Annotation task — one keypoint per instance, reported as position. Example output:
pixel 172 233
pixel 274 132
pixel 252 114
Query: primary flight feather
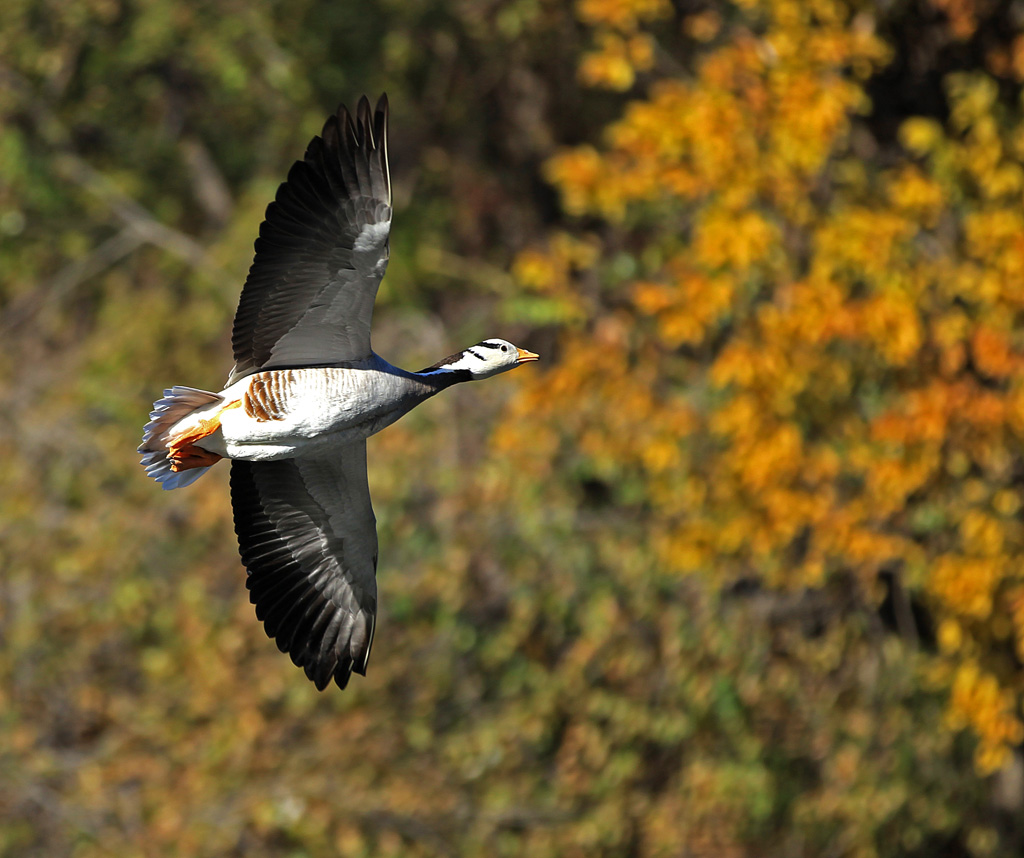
pixel 305 393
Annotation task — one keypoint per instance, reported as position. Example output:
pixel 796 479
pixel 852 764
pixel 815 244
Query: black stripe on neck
pixel 440 376
pixel 444 362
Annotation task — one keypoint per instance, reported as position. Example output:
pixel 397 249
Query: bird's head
pixel 487 358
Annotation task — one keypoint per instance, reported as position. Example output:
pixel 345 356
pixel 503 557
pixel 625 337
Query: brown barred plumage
pixel 265 398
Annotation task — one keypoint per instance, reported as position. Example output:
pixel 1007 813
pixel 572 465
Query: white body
pixel 305 411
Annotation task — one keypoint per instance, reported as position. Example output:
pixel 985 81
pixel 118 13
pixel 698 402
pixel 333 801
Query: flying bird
pixel 305 393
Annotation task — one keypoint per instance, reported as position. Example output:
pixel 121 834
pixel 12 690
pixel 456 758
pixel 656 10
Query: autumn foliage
pixel 735 572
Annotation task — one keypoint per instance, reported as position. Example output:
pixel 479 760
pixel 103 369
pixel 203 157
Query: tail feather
pixel 158 466
pixel 177 402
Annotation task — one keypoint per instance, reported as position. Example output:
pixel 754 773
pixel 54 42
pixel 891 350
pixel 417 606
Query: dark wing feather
pixel 322 251
pixel 308 538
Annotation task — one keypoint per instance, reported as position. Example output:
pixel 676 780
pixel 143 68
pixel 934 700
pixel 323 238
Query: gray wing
pixel 308 538
pixel 321 253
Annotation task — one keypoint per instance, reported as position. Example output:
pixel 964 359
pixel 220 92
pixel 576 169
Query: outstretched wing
pixel 321 253
pixel 308 538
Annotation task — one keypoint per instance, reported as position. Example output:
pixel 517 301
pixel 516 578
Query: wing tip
pixel 342 676
pixel 363 114
pixel 364 125
pixel 380 130
pixel 321 673
pixel 322 663
pixel 380 119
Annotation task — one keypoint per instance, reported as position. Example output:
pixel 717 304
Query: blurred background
pixel 735 571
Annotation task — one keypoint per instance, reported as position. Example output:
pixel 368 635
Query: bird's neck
pixel 448 371
pixel 438 377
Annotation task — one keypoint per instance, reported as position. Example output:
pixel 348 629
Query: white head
pixel 486 358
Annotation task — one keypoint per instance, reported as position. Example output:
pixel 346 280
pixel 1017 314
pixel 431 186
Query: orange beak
pixel 524 355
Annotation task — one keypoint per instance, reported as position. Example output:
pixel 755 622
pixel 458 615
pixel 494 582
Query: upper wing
pixel 322 251
pixel 308 538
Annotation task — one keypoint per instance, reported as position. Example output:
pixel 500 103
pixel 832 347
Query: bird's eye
pixel 504 348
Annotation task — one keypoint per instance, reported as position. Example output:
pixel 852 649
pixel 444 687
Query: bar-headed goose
pixel 305 393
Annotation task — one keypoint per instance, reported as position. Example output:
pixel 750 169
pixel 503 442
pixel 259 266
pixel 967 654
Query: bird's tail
pixel 156 448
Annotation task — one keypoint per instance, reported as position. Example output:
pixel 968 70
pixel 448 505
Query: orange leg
pixel 182 450
pixel 190 456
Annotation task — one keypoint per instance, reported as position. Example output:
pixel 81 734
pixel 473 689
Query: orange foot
pixel 190 456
